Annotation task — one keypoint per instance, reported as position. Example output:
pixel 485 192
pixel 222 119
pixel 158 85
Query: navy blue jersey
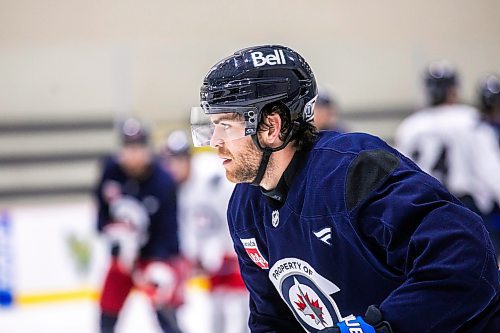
pixel 156 193
pixel 362 225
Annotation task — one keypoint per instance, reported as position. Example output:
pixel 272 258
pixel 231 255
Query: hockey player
pixel 437 137
pixel 489 96
pixel 326 114
pixel 203 195
pixel 489 129
pixel 328 226
pixel 137 214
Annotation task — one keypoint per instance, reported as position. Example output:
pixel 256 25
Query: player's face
pixel 241 158
pixel 179 167
pixel 135 159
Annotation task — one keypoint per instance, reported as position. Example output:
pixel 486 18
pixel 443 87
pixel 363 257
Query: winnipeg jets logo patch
pixel 275 218
pixel 250 245
pixel 309 306
pixel 324 235
pixel 307 293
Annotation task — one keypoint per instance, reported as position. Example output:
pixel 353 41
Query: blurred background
pixel 69 70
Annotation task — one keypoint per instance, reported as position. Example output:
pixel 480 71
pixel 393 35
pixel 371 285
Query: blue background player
pixel 329 226
pixel 137 212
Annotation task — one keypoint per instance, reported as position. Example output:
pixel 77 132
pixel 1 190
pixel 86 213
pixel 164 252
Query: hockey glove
pixel 372 322
pixel 158 280
pixel 124 242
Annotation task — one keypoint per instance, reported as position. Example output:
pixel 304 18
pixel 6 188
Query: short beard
pixel 246 164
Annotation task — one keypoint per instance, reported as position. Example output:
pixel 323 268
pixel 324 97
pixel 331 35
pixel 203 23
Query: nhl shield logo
pixel 275 218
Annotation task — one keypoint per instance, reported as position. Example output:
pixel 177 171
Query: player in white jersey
pixel 203 195
pixel 441 139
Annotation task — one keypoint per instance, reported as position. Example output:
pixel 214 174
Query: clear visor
pixel 209 125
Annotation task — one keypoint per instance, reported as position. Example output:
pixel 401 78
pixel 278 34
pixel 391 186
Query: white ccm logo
pixel 277 58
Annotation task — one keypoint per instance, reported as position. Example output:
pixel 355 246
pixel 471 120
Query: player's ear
pixel 270 136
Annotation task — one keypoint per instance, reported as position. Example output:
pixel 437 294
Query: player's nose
pixel 216 140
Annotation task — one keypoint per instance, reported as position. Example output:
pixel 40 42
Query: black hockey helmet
pixel 177 143
pixel 249 80
pixel 133 131
pixel 489 93
pixel 439 78
pixel 324 98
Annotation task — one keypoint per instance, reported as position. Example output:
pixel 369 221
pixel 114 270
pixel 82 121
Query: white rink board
pixel 43 265
pixel 42 259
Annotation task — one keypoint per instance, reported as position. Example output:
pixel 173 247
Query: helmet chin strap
pixel 267 151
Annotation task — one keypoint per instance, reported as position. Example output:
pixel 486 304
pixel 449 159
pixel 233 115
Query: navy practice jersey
pixel 156 193
pixel 362 225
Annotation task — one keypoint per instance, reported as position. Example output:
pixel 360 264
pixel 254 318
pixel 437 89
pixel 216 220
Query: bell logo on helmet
pixel 276 58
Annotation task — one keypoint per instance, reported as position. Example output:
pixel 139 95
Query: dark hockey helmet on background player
pixel 177 143
pixel 243 84
pixel 439 78
pixel 489 94
pixel 133 131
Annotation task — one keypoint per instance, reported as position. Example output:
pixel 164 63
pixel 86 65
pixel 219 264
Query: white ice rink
pixel 82 316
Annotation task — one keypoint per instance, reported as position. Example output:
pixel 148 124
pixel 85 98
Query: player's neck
pixel 278 163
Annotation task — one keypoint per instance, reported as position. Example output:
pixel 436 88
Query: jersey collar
pixel 277 196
